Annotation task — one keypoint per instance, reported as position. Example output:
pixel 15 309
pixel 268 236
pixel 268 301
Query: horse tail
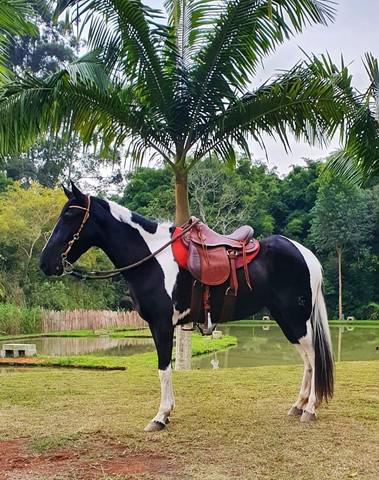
pixel 324 365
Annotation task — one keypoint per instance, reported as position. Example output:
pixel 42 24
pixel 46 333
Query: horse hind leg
pixel 298 407
pixel 306 342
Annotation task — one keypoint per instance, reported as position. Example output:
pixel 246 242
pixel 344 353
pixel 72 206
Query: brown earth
pixel 94 459
pixel 21 361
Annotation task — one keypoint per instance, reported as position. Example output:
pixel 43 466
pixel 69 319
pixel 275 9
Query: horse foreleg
pixel 163 338
pixel 298 407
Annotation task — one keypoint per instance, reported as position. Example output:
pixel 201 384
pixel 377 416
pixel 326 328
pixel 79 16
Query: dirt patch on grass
pixel 93 459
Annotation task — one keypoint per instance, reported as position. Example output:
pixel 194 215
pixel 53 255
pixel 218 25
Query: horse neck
pixel 127 244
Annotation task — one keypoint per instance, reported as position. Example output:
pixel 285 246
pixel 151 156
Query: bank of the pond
pixel 200 346
pixel 227 424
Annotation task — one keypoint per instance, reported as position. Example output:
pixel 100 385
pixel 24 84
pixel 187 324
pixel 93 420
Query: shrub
pixel 15 320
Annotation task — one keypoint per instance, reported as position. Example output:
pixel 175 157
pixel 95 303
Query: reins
pixel 69 269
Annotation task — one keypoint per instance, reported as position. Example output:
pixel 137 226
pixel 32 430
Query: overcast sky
pixel 354 32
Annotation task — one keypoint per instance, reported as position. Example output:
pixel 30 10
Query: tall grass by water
pixel 15 320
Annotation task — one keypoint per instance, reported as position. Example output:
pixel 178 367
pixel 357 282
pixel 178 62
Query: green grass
pixel 227 424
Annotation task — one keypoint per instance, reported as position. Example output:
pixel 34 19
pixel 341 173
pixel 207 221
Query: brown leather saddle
pixel 213 260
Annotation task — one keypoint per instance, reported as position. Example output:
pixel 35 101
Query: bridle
pixel 69 269
pixel 67 266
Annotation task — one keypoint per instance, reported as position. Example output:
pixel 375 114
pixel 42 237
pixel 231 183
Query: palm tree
pixel 179 88
pixel 14 20
pixel 358 162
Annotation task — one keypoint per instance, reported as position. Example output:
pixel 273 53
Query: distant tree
pixel 225 198
pixel 221 196
pixel 150 192
pixel 55 160
pixel 295 200
pixel 342 222
pixel 42 53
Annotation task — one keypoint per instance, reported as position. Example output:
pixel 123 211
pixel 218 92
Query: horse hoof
pixel 295 412
pixel 307 417
pixel 155 426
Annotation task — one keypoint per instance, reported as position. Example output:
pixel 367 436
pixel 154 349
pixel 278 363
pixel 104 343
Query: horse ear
pixel 67 192
pixel 77 193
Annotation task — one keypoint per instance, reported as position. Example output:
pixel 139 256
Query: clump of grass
pixel 16 320
pixel 43 444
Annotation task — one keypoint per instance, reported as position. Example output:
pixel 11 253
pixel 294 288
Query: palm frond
pixel 79 98
pixel 245 32
pixel 358 159
pixel 130 37
pixel 310 101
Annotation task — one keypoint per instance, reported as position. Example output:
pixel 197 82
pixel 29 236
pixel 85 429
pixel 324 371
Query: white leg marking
pixel 307 344
pixel 167 396
pixel 306 382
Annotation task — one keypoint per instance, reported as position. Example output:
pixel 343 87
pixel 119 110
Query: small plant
pixel 373 311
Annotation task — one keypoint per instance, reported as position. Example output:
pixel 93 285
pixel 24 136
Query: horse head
pixel 73 234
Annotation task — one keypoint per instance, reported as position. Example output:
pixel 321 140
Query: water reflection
pixel 259 346
pixel 66 346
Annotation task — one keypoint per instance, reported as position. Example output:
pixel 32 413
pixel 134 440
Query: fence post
pixel 183 348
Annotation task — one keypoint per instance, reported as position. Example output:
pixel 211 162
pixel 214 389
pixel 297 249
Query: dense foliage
pixel 27 215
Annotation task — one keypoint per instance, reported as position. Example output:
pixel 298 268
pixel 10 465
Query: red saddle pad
pixel 180 251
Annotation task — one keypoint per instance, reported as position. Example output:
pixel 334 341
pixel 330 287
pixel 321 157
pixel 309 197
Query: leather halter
pixel 67 267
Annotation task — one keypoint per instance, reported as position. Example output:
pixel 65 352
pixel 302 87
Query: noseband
pixel 67 267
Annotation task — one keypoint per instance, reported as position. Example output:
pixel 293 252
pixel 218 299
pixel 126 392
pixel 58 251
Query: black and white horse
pixel 286 279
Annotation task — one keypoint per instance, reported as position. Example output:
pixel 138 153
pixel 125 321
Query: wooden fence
pixel 54 321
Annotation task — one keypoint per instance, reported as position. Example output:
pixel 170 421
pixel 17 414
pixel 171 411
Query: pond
pixel 257 345
pixel 99 346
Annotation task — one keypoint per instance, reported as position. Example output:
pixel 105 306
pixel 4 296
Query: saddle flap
pixel 208 265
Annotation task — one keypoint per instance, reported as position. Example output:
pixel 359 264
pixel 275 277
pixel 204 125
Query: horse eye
pixel 69 214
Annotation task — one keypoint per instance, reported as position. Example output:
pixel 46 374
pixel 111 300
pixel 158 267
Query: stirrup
pixel 206 331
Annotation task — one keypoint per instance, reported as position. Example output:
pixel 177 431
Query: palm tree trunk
pixel 182 212
pixel 339 258
pixel 183 342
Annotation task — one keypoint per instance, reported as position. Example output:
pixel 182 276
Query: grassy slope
pixel 228 423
